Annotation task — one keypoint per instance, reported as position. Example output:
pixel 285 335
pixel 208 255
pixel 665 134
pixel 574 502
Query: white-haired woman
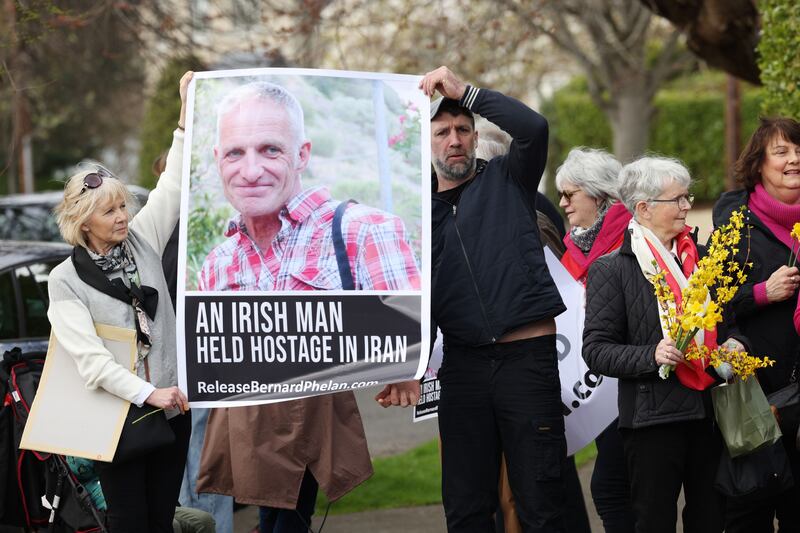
pixel 667 425
pixel 587 184
pixel 114 277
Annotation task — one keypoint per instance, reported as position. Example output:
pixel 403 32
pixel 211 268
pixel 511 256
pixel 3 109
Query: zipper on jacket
pixel 472 276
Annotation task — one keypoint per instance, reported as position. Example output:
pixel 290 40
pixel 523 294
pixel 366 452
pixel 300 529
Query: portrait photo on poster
pixel 302 180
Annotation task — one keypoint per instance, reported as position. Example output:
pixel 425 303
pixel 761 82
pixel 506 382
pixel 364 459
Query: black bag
pixel 25 470
pixel 787 401
pixel 35 482
pixel 74 510
pixel 761 474
pixel 146 429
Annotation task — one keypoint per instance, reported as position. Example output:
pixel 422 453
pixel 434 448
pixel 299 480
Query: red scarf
pixel 692 374
pixel 609 238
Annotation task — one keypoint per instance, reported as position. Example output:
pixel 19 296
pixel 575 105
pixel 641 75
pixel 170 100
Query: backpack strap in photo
pixel 339 247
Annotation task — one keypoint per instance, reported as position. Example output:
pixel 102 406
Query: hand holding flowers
pixel 711 286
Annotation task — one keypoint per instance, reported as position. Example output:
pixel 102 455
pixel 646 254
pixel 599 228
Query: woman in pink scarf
pixel 769 169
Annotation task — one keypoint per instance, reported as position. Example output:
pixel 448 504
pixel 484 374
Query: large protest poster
pixel 589 400
pixel 270 157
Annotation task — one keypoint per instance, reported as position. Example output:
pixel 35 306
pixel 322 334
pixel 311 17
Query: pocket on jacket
pixel 644 404
pixel 549 448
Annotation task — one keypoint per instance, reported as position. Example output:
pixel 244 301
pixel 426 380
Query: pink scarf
pixel 776 215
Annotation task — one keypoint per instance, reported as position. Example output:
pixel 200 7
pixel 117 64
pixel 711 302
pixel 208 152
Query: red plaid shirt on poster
pixel 301 256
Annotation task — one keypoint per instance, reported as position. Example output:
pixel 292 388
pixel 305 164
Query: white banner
pixel 589 399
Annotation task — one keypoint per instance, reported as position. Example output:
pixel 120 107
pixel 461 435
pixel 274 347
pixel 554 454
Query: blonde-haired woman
pixel 114 277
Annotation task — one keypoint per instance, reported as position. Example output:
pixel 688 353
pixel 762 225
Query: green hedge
pixel 161 116
pixel 688 125
pixel 779 56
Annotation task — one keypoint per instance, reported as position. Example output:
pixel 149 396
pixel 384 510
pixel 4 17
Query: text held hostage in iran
pixel 278 332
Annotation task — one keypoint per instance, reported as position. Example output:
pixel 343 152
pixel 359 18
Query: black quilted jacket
pixel 619 340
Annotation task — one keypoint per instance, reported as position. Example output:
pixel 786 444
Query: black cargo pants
pixel 502 397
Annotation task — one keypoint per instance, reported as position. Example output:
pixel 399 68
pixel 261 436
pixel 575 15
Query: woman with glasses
pixel 769 170
pixel 587 188
pixel 587 183
pixel 667 425
pixel 114 277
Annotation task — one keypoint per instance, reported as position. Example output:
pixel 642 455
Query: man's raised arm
pixel 528 129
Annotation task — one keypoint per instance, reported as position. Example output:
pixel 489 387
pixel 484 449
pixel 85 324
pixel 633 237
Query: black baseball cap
pixel 451 106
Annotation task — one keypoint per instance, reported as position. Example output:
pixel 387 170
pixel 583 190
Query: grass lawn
pixel 409 479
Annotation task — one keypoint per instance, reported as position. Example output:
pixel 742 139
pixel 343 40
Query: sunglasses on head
pixel 94 179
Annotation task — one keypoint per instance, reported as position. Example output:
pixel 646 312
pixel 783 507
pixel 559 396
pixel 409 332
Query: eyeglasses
pixel 94 179
pixel 567 195
pixel 687 199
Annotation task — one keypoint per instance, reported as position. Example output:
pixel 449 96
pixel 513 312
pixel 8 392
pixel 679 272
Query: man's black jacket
pixel 489 274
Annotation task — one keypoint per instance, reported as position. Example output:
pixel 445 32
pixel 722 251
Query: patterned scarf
pixel 121 258
pixel 584 238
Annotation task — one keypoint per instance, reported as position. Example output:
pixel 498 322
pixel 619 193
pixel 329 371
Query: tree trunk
pixel 630 119
pixel 9 56
pixel 733 129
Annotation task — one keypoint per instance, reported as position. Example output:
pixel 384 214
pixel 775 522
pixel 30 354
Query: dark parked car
pixel 24 269
pixel 30 216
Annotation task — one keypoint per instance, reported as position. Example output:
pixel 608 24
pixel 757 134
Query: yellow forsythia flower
pixel 713 284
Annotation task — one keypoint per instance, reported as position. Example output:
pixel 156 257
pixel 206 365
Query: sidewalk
pixel 428 519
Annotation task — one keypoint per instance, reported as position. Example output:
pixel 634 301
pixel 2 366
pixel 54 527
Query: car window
pixel 9 317
pixel 29 222
pixel 33 288
pixel 34 219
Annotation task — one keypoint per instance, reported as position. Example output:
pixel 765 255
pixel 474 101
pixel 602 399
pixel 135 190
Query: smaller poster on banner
pixel 428 405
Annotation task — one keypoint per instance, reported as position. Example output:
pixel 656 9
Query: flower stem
pixel 684 342
pixel 146 415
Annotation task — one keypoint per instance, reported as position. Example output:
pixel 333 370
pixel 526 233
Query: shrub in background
pixel 689 125
pixel 779 57
pixel 161 116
